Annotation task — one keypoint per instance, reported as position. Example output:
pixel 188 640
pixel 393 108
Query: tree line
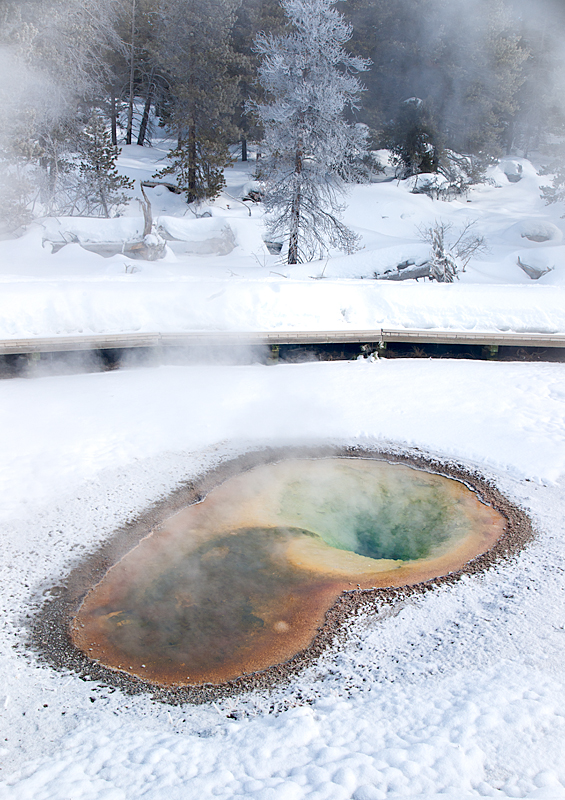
pixel 448 85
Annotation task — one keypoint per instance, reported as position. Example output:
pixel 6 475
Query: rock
pixel 536 231
pixel 532 271
pixel 274 248
pixel 513 170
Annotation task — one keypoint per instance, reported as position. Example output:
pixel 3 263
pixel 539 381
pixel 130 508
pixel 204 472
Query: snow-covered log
pixel 405 271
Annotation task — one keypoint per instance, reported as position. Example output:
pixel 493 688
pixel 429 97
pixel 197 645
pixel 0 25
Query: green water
pixel 403 515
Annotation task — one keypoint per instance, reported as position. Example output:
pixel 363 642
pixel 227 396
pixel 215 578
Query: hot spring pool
pixel 242 580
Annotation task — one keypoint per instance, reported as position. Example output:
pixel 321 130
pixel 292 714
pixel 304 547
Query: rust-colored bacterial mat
pixel 242 580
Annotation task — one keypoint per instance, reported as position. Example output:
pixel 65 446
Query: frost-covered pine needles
pixel 311 151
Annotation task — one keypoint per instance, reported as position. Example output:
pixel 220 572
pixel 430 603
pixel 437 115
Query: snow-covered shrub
pixel 461 172
pixel 456 174
pixel 16 197
pixel 556 192
pixel 451 250
pixel 442 264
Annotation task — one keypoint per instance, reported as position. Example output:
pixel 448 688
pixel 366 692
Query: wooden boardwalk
pixel 273 338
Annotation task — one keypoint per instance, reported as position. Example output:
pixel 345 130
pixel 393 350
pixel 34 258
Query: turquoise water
pixel 390 514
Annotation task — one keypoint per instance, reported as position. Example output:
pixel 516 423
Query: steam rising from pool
pixel 242 580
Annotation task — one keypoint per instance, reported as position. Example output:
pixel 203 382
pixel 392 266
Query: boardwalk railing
pixel 270 338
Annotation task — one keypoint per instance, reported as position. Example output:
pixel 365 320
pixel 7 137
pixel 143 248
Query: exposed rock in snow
pixel 405 271
pixel 533 271
pixel 512 169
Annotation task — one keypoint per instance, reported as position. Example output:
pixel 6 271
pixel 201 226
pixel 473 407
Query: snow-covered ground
pixel 458 693
pixel 455 694
pixel 219 275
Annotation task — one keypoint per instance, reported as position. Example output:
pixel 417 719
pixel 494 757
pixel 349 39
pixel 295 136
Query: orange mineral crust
pixel 243 580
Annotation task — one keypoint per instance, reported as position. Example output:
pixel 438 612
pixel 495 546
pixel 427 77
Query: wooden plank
pixel 250 338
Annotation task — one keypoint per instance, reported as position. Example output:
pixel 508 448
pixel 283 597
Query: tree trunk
pixel 147 213
pixel 131 75
pixel 509 137
pixel 244 149
pixel 192 162
pixel 50 166
pixel 113 116
pixel 102 195
pixel 293 251
pixel 294 228
pixel 146 110
pixel 151 247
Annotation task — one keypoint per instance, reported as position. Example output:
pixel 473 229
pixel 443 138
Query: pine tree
pixel 100 189
pixel 310 148
pixel 541 115
pixel 202 71
pixel 413 140
pixel 466 60
pixel 252 17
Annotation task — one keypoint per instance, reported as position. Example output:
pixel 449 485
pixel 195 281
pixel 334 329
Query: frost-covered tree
pixel 311 150
pixel 100 189
pixel 451 250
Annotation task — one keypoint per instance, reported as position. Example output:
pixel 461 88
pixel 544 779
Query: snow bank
pixel 144 302
pixel 218 274
pixel 215 235
pixel 92 230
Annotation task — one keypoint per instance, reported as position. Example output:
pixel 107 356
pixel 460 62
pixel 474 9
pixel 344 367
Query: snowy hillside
pixel 69 275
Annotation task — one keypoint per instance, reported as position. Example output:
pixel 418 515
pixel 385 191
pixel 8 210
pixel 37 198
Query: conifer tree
pixel 100 189
pixel 413 140
pixel 202 72
pixel 466 60
pixel 252 17
pixel 541 114
pixel 311 150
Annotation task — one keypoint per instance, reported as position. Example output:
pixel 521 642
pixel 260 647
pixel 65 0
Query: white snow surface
pixel 455 694
pixel 218 275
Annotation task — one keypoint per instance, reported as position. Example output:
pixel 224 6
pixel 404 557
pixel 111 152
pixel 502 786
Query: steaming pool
pixel 243 579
